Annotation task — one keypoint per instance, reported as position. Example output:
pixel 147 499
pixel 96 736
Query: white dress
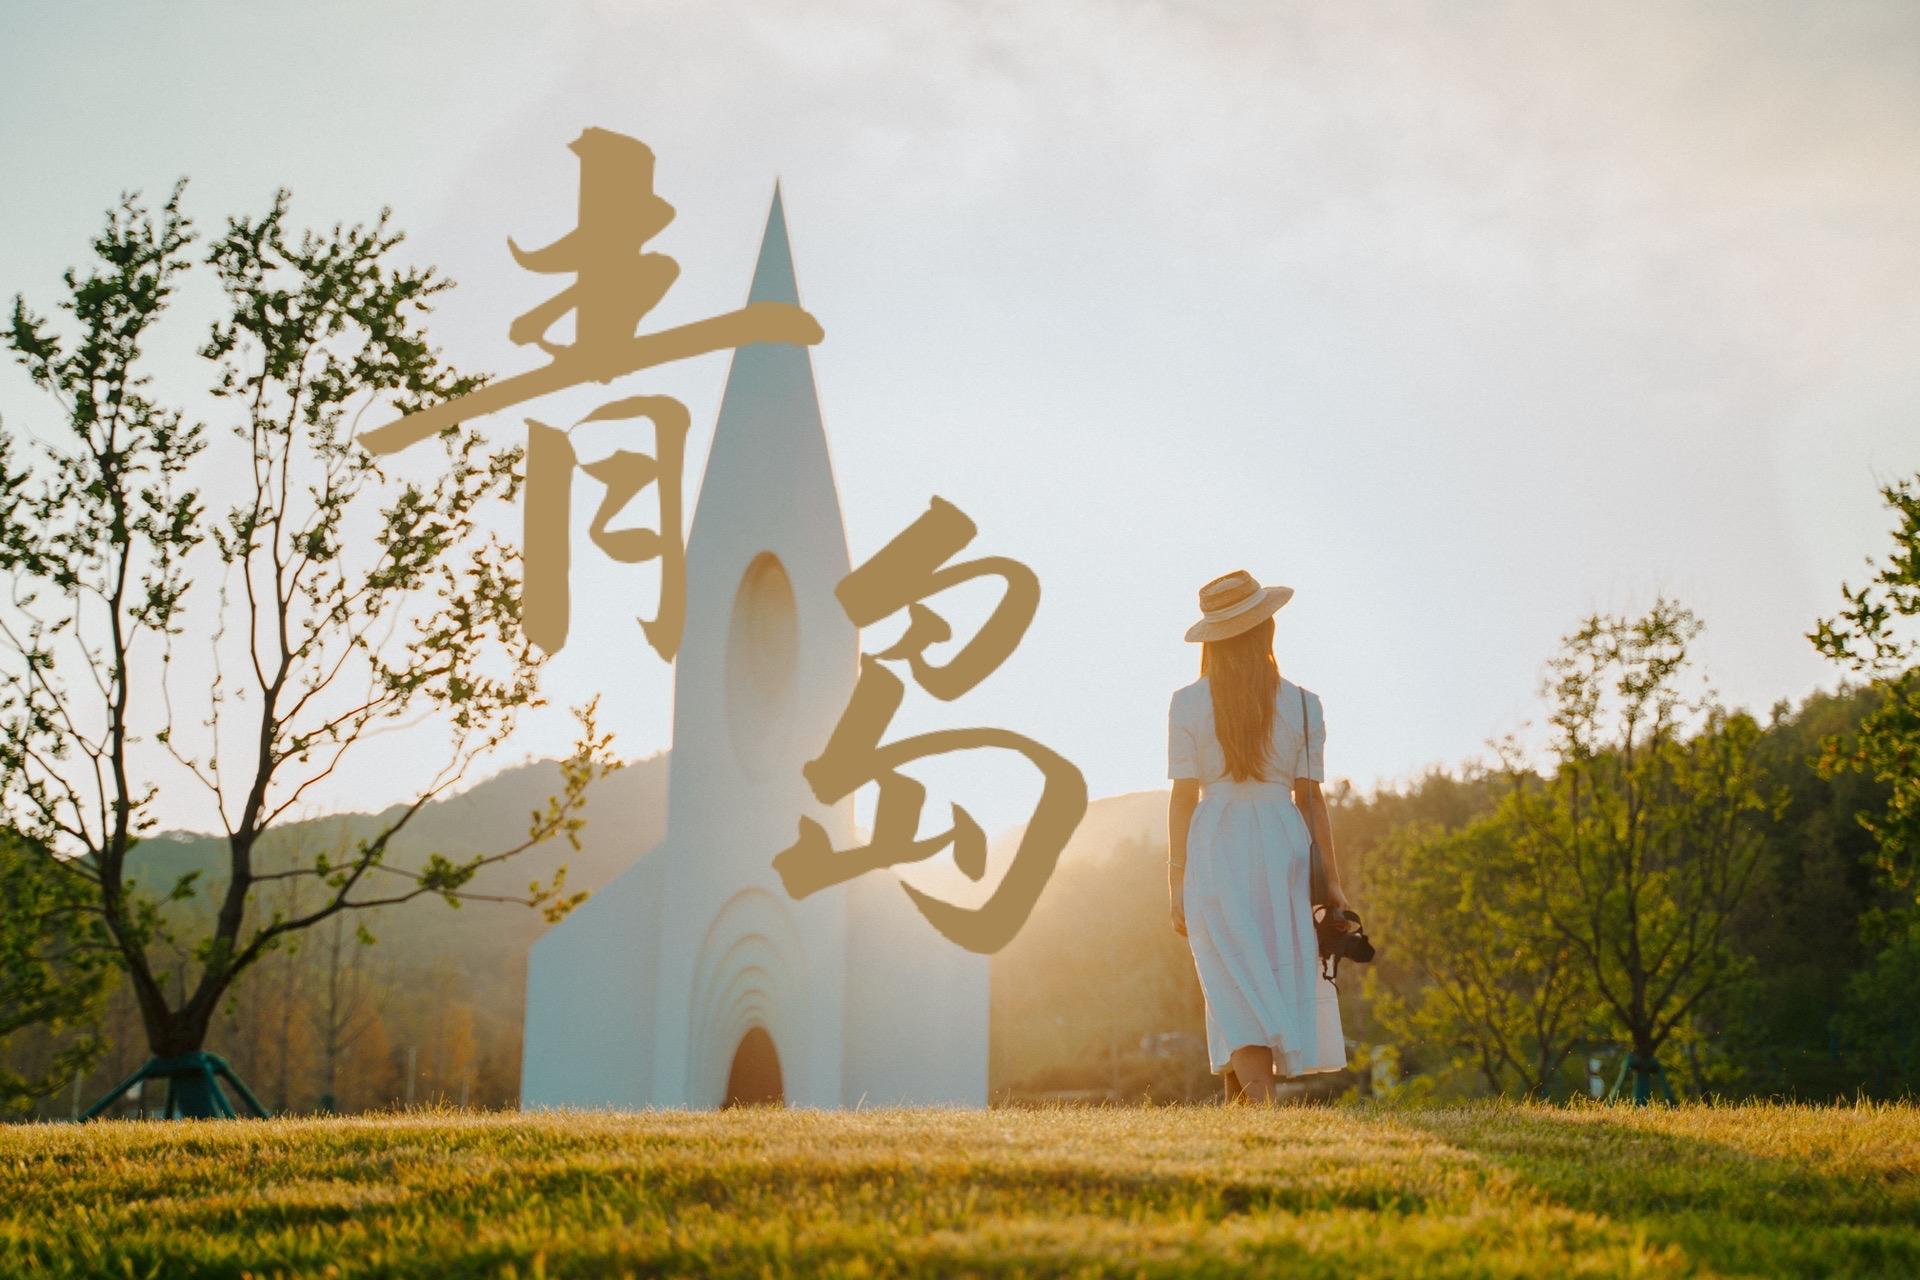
pixel 1249 914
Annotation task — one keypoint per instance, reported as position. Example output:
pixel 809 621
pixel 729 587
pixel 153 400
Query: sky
pixel 1464 320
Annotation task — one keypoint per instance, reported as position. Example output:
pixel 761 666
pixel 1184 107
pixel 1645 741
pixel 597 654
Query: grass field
pixel 1348 1192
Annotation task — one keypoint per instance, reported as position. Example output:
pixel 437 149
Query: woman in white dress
pixel 1246 753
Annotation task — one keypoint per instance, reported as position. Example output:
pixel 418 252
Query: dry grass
pixel 1494 1190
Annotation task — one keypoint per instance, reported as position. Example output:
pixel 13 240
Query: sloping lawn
pixel 1490 1190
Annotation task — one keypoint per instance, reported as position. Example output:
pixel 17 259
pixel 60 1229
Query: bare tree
pixel 345 1005
pixel 286 999
pixel 336 601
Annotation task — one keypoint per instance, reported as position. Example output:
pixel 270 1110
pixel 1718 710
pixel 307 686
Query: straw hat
pixel 1235 602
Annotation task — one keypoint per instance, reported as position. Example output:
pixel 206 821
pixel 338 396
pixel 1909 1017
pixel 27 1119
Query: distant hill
pixel 625 816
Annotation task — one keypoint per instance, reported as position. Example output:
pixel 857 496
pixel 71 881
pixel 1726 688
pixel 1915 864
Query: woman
pixel 1245 750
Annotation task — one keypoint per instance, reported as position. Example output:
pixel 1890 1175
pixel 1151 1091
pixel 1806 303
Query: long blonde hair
pixel 1243 677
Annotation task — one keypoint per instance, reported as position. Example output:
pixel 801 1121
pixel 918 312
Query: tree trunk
pixel 178 1031
pixel 1644 1062
pixel 177 1036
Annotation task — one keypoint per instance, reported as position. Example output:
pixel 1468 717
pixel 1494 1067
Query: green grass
pixel 1488 1190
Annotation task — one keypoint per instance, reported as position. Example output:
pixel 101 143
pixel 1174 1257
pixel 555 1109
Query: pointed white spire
pixel 773 274
pixel 768 432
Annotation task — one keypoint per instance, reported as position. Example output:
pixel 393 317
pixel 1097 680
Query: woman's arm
pixel 1312 803
pixel 1180 806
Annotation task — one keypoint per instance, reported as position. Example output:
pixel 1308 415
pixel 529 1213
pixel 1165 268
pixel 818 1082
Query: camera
pixel 1336 943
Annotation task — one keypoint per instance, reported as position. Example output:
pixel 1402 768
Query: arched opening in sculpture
pixel 755 1076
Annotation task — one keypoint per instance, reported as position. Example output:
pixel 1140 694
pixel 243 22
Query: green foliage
pixel 337 599
pixel 1873 637
pixel 54 967
pixel 1487 979
pixel 1869 639
pixel 1773 1032
pixel 1488 1190
pixel 1880 1020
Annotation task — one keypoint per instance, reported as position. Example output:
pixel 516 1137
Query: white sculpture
pixel 693 979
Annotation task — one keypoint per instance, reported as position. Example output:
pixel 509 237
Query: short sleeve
pixel 1313 763
pixel 1183 753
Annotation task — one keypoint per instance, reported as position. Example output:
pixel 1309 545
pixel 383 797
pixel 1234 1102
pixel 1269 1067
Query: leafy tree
pixel 1645 839
pixel 1873 637
pixel 336 600
pixel 1868 637
pixel 53 968
pixel 1479 970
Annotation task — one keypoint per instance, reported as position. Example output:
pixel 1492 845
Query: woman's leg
pixel 1252 1065
pixel 1232 1083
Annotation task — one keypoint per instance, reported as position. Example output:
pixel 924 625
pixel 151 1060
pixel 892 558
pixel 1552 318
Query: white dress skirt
pixel 1248 889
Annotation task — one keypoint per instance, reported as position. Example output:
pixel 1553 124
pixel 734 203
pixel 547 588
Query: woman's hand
pixel 1181 802
pixel 1336 902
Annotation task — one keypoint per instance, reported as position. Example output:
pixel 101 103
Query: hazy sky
pixel 1464 320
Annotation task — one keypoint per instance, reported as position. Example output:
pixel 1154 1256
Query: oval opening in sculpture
pixel 763 649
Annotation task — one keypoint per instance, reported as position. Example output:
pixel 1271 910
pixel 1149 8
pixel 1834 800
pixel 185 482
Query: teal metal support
pixel 225 1072
pixel 193 1088
pixel 118 1091
pixel 1646 1072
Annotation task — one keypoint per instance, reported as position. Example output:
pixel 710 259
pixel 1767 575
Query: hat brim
pixel 1266 603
